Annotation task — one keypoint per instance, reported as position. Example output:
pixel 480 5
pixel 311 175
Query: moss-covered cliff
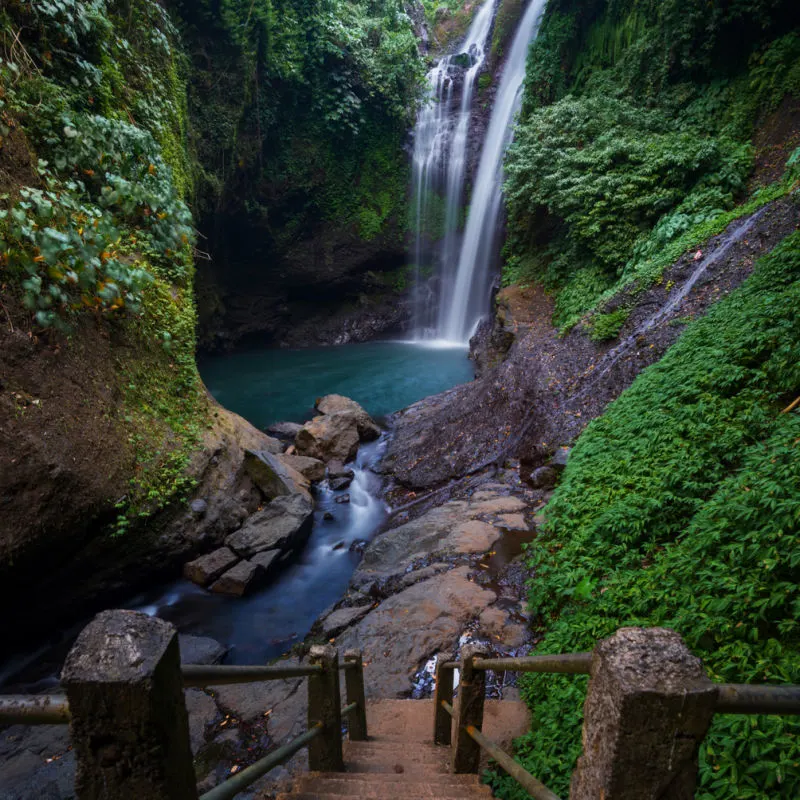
pixel 276 129
pixel 647 128
pixel 300 112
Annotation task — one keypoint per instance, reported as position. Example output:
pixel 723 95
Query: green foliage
pixel 610 170
pixel 107 194
pixel 97 90
pixel 304 107
pixel 679 507
pixel 635 135
pixel 608 326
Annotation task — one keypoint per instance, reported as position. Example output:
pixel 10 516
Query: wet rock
pixel 237 580
pixel 358 546
pixel 335 404
pixel 208 568
pixel 340 483
pixel 200 649
pixel 337 621
pixel 202 712
pixel 544 477
pixel 333 436
pixel 407 628
pixel 496 625
pixel 284 431
pixel 342 498
pixel 328 516
pixel 336 469
pixel 559 460
pixel 285 524
pixel 514 522
pixel 198 507
pixel 272 475
pixel 310 468
pixel 267 560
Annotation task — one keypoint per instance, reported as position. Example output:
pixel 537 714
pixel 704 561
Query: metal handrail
pixel 567 663
pixel 534 788
pixel 239 782
pixel 447 707
pixel 198 676
pixel 745 698
pixel 349 709
pixel 34 710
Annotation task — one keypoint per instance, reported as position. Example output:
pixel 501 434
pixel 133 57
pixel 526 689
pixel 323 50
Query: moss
pixel 505 23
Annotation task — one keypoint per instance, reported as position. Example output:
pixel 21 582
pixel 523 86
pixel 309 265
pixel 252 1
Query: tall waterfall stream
pixel 464 258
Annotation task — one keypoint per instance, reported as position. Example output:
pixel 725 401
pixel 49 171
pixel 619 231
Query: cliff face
pixel 299 121
pixel 291 167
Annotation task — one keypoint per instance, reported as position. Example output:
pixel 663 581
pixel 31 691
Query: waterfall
pixel 462 307
pixel 440 142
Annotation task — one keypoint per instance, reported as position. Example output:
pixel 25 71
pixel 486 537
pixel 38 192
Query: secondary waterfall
pixel 461 309
pixel 440 143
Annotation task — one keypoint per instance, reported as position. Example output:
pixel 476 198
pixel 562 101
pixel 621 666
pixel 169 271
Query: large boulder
pixel 273 475
pixel 405 630
pixel 311 469
pixel 238 580
pixel 208 568
pixel 284 431
pixel 336 404
pixel 200 649
pixel 285 524
pixel 333 436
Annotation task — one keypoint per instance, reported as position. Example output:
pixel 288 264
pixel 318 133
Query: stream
pixel 267 386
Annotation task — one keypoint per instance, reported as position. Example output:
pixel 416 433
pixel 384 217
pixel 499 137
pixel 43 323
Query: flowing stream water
pixel 267 386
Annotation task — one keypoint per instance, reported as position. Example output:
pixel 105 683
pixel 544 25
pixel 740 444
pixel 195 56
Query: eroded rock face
pixel 285 524
pixel 333 436
pixel 200 650
pixel 273 475
pixel 208 568
pixel 409 627
pixel 368 431
pixel 311 469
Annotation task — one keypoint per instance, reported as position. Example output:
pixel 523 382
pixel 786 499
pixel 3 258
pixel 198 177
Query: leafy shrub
pixel 608 326
pixel 679 507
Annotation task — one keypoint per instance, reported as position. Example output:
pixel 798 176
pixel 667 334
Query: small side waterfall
pixel 440 143
pixel 461 309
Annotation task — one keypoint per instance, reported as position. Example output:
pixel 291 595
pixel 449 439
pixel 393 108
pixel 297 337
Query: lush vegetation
pixel 301 109
pixel 680 507
pixel 636 134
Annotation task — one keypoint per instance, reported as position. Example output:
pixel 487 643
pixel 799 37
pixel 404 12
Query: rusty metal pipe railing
pixel 534 788
pixel 743 698
pixel 349 709
pixel 447 707
pixel 34 710
pixel 567 663
pixel 239 782
pixel 195 675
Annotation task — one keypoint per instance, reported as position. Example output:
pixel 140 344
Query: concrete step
pixel 387 779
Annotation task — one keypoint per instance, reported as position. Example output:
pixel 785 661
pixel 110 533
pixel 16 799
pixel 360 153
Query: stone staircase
pixel 400 759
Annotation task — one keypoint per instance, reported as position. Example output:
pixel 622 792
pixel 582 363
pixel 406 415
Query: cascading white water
pixel 440 142
pixel 461 308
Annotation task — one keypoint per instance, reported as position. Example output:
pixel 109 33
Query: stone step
pixel 390 791
pixel 389 794
pixel 359 778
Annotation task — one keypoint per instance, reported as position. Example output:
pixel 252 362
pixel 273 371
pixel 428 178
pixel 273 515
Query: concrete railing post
pixel 469 709
pixel 325 706
pixel 442 721
pixel 129 727
pixel 354 686
pixel 648 708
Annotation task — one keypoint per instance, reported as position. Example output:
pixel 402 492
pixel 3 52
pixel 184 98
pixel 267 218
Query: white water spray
pixel 440 143
pixel 461 309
